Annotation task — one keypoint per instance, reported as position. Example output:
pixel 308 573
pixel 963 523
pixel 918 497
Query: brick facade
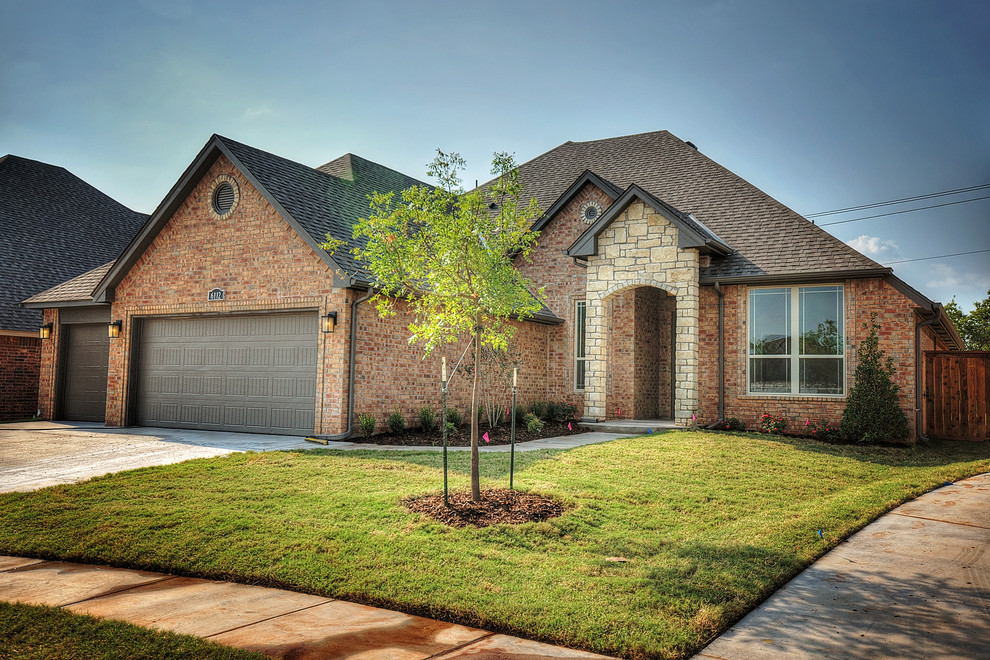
pixel 20 366
pixel 861 297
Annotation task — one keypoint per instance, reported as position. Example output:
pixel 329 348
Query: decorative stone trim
pixel 221 179
pixel 590 212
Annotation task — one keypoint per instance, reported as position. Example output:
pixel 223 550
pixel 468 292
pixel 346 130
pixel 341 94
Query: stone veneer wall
pixel 640 249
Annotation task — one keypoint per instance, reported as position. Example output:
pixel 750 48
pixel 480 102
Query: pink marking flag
pixel 485 436
pixel 568 426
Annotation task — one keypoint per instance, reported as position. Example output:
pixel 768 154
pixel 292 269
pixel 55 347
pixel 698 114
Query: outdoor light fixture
pixel 45 331
pixel 114 328
pixel 328 322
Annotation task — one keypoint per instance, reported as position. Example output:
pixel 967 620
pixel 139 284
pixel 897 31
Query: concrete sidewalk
pixel 913 584
pixel 278 623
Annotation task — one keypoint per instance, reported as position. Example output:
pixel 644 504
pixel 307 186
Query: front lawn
pixel 666 540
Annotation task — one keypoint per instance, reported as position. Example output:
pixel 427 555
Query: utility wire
pixel 920 208
pixel 941 256
pixel 898 201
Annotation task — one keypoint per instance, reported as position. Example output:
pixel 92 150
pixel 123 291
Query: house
pixel 55 226
pixel 675 290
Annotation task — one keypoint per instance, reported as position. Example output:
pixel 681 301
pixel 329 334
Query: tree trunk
pixel 475 474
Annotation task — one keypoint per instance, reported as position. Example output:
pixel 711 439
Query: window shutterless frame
pixel 580 347
pixel 796 341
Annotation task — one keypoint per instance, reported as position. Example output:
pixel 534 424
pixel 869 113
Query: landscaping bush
pixel 538 408
pixel 454 418
pixel 824 431
pixel 734 424
pixel 396 422
pixel 872 414
pixel 533 423
pixel 367 423
pixel 563 411
pixel 771 424
pixel 520 413
pixel 427 418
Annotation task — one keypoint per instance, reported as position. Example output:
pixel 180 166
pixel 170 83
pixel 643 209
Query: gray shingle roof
pixel 54 227
pixel 325 200
pixel 78 289
pixel 769 238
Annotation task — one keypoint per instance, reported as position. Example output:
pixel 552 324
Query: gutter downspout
pixel 721 355
pixel 918 431
pixel 350 371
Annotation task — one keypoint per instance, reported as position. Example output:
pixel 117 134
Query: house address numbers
pixel 216 294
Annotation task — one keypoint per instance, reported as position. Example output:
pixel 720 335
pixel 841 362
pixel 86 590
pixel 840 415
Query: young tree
pixel 974 328
pixel 449 255
pixel 872 414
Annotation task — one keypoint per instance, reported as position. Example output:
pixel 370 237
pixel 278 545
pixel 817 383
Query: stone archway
pixel 640 249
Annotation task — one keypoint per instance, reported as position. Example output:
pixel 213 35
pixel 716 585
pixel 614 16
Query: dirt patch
pixel 498 505
pixel 500 435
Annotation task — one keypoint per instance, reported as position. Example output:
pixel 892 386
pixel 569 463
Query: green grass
pixel 711 525
pixel 31 632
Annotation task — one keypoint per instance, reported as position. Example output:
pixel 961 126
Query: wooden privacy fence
pixel 957 395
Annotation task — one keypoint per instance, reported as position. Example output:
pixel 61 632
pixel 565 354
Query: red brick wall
pixel 862 296
pixel 47 372
pixel 565 283
pixel 261 263
pixel 393 374
pixel 20 365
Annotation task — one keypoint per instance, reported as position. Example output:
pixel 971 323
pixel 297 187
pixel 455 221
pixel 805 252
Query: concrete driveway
pixel 38 454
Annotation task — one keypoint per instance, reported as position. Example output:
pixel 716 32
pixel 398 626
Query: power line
pixel 920 208
pixel 941 256
pixel 898 201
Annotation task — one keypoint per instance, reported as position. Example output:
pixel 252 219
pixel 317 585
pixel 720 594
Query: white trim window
pixel 797 341
pixel 580 343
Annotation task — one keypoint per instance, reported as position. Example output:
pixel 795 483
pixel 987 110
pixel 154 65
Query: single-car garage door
pixel 231 373
pixel 84 388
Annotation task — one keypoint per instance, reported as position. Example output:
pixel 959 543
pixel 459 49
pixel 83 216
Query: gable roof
pixel 691 234
pixel 586 177
pixel 315 202
pixel 55 226
pixel 769 239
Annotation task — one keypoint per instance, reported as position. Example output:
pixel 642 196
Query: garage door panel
pixel 243 373
pixel 84 386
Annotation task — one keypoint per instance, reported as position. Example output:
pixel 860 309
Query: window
pixel 796 342
pixel 580 353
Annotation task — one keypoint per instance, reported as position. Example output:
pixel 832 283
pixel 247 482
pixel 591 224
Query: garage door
pixel 231 373
pixel 84 389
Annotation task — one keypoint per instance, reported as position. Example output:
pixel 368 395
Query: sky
pixel 823 105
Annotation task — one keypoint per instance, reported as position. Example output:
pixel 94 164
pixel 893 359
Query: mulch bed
pixel 498 505
pixel 462 437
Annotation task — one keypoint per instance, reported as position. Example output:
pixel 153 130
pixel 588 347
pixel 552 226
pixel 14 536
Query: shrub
pixel 872 414
pixel 520 413
pixel 734 424
pixel 396 422
pixel 454 418
pixel 427 418
pixel 538 408
pixel 367 423
pixel 564 412
pixel 824 431
pixel 771 424
pixel 533 423
pixel 553 411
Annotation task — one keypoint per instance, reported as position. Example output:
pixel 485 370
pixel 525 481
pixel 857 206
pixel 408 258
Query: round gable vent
pixel 590 211
pixel 223 197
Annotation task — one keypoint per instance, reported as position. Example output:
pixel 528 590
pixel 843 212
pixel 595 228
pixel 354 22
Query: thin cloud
pixel 874 246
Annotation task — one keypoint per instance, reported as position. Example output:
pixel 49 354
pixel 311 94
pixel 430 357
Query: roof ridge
pixel 622 137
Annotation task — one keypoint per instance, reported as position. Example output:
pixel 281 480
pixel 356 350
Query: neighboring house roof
pixel 55 226
pixel 78 290
pixel 767 237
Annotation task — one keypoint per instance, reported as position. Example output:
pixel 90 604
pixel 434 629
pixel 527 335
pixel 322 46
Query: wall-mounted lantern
pixel 328 322
pixel 114 328
pixel 45 331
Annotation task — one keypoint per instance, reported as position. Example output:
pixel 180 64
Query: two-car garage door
pixel 233 373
